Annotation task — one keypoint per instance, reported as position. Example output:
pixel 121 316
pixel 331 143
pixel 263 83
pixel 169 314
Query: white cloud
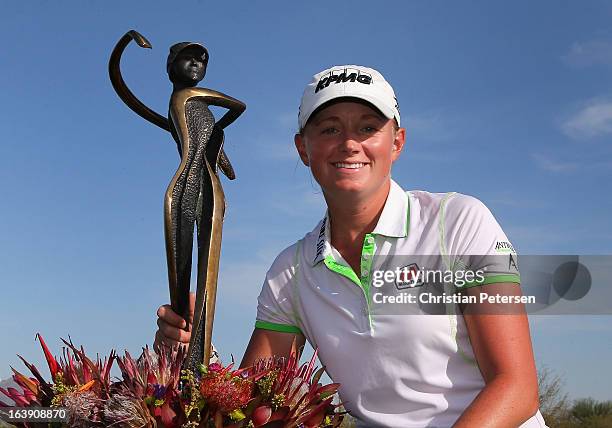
pixel 547 163
pixel 593 52
pixel 593 120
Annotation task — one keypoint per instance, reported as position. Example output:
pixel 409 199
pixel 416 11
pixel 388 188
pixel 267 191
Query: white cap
pixel 352 81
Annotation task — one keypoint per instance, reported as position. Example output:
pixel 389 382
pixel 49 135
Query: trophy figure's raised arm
pixel 194 195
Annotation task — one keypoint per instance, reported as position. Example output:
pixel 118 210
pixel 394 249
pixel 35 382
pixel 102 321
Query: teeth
pixel 349 165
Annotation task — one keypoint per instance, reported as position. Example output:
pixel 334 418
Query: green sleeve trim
pixel 494 279
pixel 277 327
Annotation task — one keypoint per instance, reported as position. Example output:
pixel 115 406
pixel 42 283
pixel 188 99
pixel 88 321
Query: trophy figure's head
pixel 186 64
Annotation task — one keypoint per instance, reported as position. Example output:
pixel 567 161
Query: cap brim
pixel 321 103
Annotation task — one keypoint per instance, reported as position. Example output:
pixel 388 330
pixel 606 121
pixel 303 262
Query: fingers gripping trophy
pixel 194 195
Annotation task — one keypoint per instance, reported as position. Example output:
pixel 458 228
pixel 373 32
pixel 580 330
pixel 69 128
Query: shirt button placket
pixel 366 270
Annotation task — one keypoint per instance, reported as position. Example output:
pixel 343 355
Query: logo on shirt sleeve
pixel 504 247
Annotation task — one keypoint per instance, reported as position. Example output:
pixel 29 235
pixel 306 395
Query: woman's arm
pixel 502 345
pixel 268 343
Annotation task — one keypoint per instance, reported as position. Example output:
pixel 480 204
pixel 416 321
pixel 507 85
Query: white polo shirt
pixel 399 364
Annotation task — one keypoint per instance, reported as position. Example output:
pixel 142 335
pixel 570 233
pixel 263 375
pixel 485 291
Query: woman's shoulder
pixel 450 202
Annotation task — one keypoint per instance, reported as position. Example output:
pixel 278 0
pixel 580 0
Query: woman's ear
pixel 301 148
pixel 398 143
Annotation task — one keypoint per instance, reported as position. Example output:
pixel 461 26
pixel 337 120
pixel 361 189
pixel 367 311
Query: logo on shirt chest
pixel 409 276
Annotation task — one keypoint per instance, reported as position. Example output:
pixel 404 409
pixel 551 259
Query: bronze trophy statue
pixel 195 194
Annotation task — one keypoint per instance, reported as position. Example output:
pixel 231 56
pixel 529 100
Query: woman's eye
pixel 369 129
pixel 329 131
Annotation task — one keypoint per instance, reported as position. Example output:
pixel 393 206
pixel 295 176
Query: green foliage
pixel 559 412
pixel 589 413
pixel 587 408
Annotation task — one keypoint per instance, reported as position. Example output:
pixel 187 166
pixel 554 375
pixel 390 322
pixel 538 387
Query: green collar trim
pixel 341 269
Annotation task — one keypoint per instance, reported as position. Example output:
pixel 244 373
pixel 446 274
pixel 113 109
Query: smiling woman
pixel 350 147
pixel 414 369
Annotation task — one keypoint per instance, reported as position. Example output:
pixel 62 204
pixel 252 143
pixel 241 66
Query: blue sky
pixel 509 102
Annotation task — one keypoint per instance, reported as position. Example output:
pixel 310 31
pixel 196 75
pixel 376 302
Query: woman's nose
pixel 349 142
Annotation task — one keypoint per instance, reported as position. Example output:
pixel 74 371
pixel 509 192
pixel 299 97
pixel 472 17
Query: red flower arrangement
pixel 154 392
